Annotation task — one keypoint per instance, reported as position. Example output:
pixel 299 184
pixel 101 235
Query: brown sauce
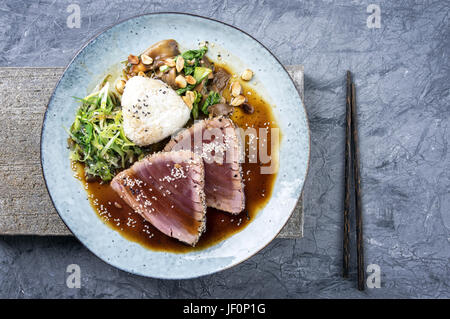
pixel 220 225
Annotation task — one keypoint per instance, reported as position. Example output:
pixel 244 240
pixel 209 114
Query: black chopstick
pixel 358 208
pixel 352 161
pixel 348 121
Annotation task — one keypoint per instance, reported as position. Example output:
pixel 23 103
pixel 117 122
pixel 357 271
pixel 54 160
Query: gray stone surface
pixel 402 73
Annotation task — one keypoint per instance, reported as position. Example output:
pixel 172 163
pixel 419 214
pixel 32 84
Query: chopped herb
pixel 198 98
pixel 164 68
pixel 213 98
pixel 189 87
pixel 195 56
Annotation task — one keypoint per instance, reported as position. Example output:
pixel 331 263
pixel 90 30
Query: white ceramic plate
pixel 134 35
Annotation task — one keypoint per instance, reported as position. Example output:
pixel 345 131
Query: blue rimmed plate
pixel 134 35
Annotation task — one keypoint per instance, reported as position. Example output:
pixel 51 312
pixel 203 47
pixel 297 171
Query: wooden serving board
pixel 25 206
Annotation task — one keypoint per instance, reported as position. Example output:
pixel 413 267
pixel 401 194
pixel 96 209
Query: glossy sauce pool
pixel 220 225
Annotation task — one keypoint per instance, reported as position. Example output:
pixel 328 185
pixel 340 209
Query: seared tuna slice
pixel 217 142
pixel 167 190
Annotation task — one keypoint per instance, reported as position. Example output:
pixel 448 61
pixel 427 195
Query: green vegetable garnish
pixel 213 98
pixel 200 73
pixel 192 67
pixel 198 98
pixel 189 87
pixel 164 68
pixel 195 56
pixel 98 136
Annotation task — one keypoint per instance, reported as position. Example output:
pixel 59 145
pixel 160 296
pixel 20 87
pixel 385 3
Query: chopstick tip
pixel 349 77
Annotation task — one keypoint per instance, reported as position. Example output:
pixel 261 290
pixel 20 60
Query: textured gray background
pixel 402 74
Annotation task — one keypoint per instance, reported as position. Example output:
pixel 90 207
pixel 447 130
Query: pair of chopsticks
pixel 352 164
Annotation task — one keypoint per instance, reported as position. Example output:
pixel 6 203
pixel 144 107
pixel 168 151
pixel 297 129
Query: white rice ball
pixel 151 110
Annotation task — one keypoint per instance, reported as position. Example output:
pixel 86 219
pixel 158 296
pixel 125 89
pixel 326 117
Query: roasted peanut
pixel 190 79
pixel 120 86
pixel 238 100
pixel 133 59
pixel 236 89
pixel 180 81
pixel 180 64
pixel 247 75
pixel 146 59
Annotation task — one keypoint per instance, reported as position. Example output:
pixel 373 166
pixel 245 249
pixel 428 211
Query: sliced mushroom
pixel 91 178
pixel 206 63
pixel 220 109
pixel 201 88
pixel 220 80
pixel 162 50
pixel 247 108
pixel 169 78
